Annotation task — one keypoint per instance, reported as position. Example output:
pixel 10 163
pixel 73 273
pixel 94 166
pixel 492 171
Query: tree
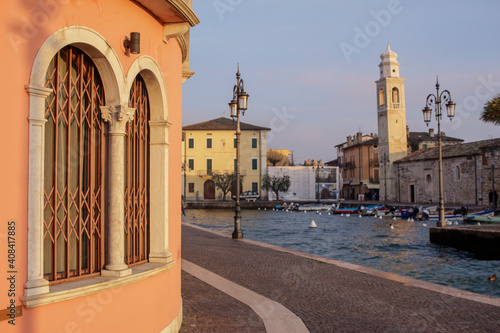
pixel 275 158
pixel 491 111
pixel 276 184
pixel 224 182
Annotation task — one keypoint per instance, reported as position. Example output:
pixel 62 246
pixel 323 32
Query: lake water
pixel 366 241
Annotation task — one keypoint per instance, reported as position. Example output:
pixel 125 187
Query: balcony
pixel 350 165
pixel 374 162
pixel 374 181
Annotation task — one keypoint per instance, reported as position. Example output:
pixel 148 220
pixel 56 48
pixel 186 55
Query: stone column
pixel 159 251
pixel 117 116
pixel 36 284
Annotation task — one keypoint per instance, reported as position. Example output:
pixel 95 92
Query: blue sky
pixel 310 66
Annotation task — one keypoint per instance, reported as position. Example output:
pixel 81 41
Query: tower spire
pixel 389 66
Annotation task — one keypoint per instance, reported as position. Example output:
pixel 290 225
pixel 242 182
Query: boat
pixel 346 210
pixel 364 210
pixel 315 207
pixel 450 214
pixel 285 206
pixel 388 212
pixel 370 210
pixel 487 217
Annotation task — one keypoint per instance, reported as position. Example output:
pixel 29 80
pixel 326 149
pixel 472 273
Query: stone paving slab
pixel 332 298
pixel 208 310
pixel 276 317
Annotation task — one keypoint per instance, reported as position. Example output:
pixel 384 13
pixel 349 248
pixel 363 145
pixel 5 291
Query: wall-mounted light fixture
pixel 133 44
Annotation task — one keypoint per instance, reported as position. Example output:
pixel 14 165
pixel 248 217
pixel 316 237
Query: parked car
pixel 250 196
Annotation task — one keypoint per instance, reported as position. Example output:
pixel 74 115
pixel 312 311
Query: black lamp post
pixel 434 102
pixel 385 161
pixel 493 180
pixel 237 104
pixel 491 149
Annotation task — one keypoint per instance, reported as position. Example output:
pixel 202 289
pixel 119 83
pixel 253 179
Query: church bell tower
pixel 391 111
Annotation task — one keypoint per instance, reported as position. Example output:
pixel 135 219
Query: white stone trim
pixel 36 284
pixel 175 325
pixel 117 116
pixel 79 288
pixel 158 208
pixel 159 124
pixel 153 77
pixel 94 44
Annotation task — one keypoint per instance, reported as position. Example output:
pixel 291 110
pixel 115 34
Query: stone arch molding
pixel 153 77
pixel 117 90
pixel 94 44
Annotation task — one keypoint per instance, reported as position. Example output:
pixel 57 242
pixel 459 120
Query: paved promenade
pixel 245 286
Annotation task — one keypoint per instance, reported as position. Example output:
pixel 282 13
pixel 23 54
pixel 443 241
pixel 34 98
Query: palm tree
pixel 491 111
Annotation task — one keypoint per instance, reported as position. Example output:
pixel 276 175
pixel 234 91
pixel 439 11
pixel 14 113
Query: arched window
pixel 73 215
pixel 137 176
pixel 395 95
pixel 428 181
pixel 458 173
pixel 381 97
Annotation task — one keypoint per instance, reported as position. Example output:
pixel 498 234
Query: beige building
pixel 364 171
pixel 210 147
pixel 360 166
pixel 467 174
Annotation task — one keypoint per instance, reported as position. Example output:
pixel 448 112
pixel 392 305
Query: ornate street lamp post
pixel 385 161
pixel 491 149
pixel 237 104
pixel 493 180
pixel 434 102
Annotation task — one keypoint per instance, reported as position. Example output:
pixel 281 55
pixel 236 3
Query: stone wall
pixel 463 178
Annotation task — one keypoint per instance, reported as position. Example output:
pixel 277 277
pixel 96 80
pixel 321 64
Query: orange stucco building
pixel 91 147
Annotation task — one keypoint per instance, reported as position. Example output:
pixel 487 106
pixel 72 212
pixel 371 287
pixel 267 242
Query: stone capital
pixel 117 116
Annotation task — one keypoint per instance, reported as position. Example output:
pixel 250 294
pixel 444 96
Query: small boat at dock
pixel 363 210
pixel 433 214
pixel 315 207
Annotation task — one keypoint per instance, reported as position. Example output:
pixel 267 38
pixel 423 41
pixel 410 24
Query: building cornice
pixel 182 11
pixel 186 11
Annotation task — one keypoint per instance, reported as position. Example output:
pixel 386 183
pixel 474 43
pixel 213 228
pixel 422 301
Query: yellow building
pixel 210 147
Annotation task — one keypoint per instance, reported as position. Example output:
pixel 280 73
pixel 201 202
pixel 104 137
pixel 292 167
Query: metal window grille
pixel 137 177
pixel 73 168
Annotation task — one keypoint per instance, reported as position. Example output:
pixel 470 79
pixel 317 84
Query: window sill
pixel 84 287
